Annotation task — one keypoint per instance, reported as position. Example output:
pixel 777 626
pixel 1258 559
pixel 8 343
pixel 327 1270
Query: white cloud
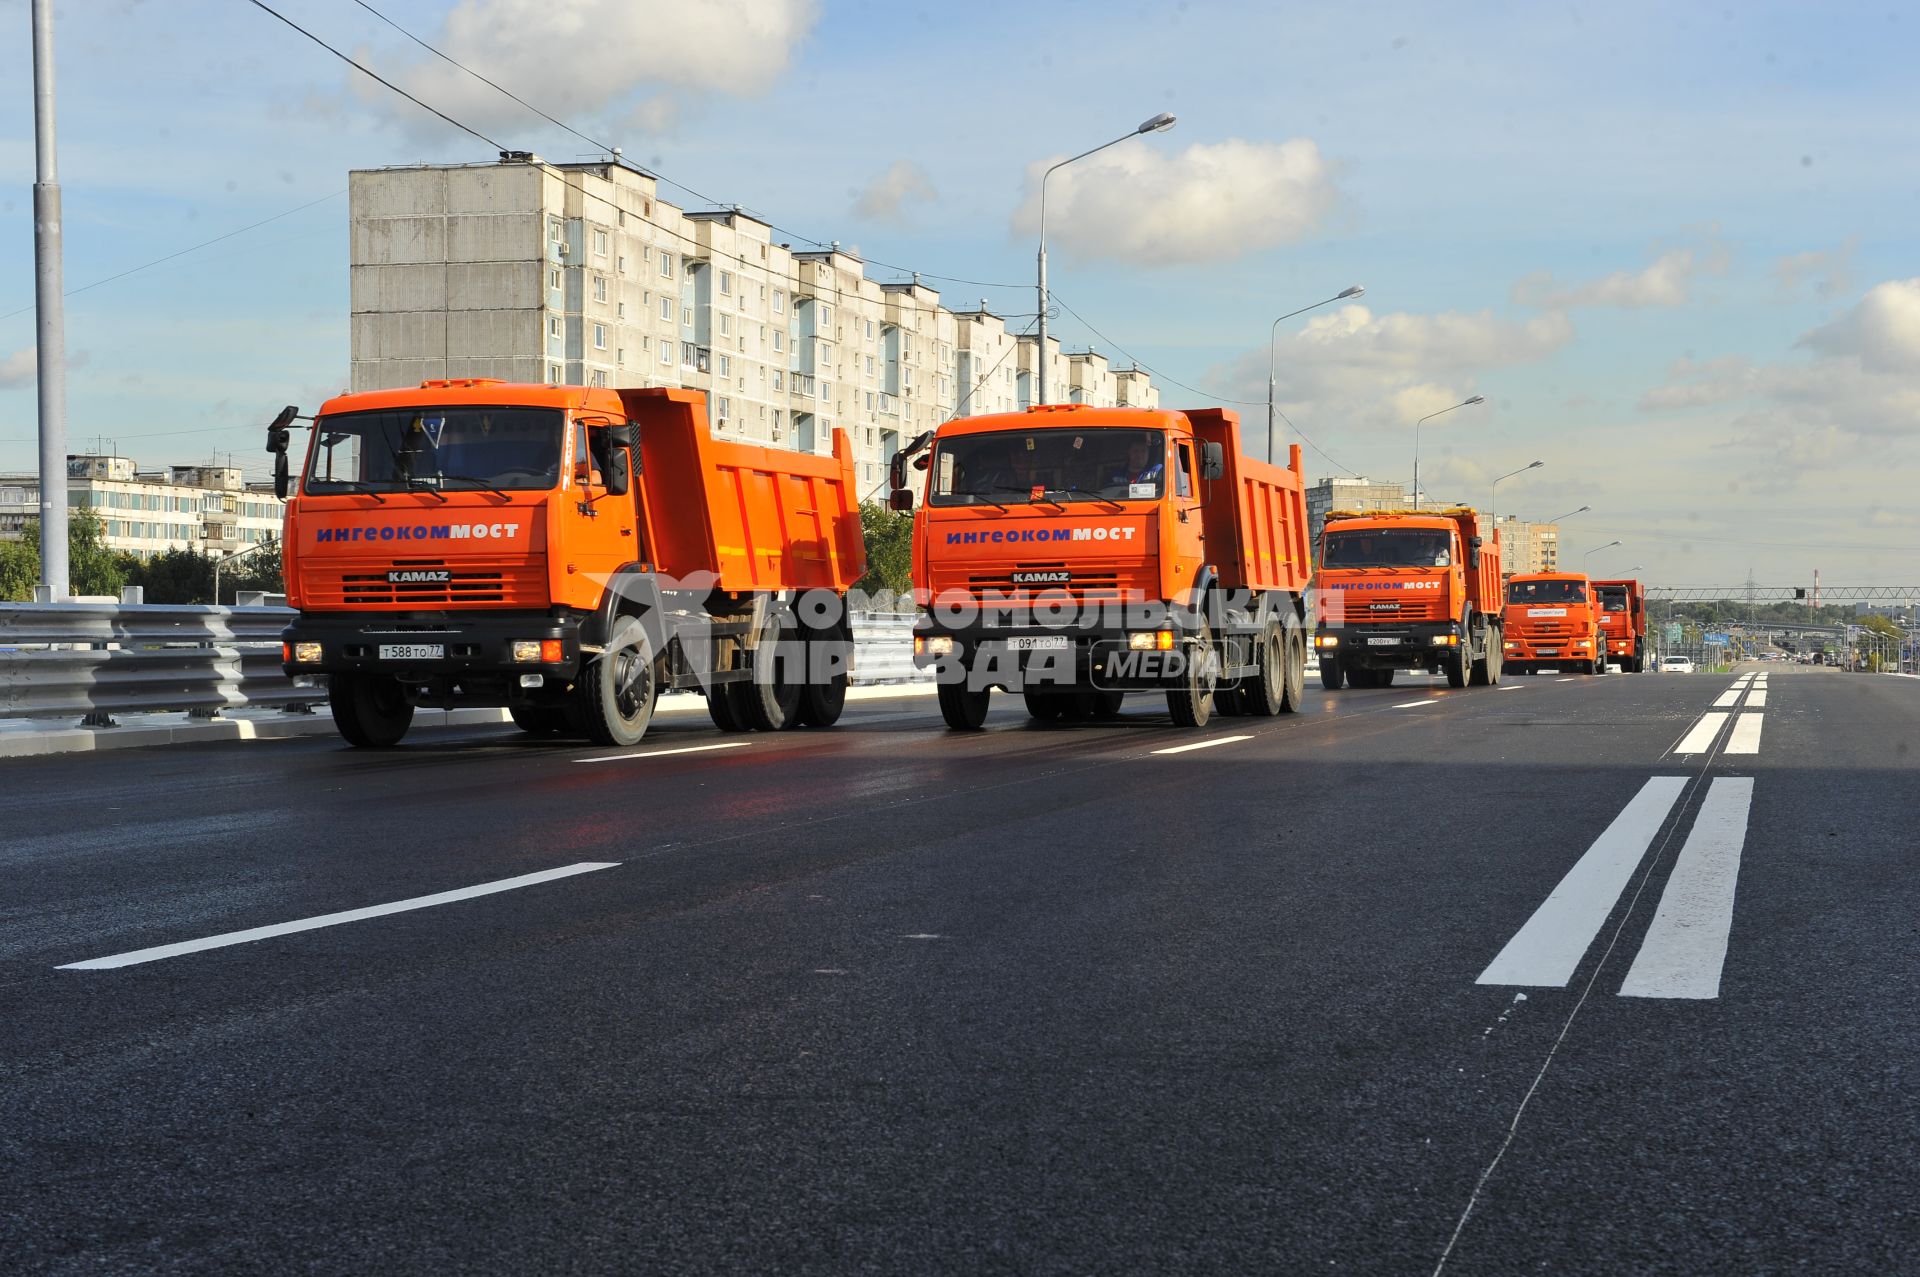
pixel 1387 371
pixel 886 197
pixel 1882 331
pixel 1829 272
pixel 1666 282
pixel 588 60
pixel 19 368
pixel 1210 202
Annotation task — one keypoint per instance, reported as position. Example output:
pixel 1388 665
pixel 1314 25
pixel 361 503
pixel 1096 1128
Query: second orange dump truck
pixel 566 552
pixel 1553 622
pixel 1623 622
pixel 1077 554
pixel 1408 590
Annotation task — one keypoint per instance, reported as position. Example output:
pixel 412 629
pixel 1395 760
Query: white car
pixel 1675 665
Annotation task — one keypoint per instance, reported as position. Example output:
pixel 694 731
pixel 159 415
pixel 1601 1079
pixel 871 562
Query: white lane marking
pixel 1202 744
pixel 1686 948
pixel 664 753
pixel 1547 949
pixel 1700 739
pixel 1513 687
pixel 1431 700
pixel 1574 679
pixel 1745 736
pixel 1727 698
pixel 158 952
pixel 1757 700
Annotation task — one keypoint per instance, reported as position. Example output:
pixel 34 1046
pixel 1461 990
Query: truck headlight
pixel 526 651
pixel 1326 640
pixel 1446 640
pixel 932 645
pixel 1151 641
pixel 1510 645
pixel 306 653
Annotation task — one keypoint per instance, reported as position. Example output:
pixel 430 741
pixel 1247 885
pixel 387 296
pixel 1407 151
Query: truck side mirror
pixel 279 438
pixel 897 471
pixel 900 499
pixel 616 474
pixel 1473 554
pixel 1213 461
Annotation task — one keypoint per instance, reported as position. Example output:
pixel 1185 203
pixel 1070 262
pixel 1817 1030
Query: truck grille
pixel 470 583
pixel 1091 586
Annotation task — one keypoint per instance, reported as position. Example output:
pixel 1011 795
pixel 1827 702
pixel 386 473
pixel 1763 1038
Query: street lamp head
pixel 1158 124
pixel 1536 465
pixel 1357 290
pixel 1475 399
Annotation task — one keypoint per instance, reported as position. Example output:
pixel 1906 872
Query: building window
pixel 553 373
pixel 869 331
pixel 869 401
pixel 666 265
pixel 726 325
pixel 619 310
pixel 553 280
pixel 599 243
pixel 726 283
pixel 686 316
pixel 686 354
pixel 726 407
pixel 779 380
pixel 726 366
pixel 599 288
pixel 779 301
pixel 826 314
pixel 666 308
pixel 869 365
pixel 778 340
pixel 553 326
pixel 620 263
pixel 599 377
pixel 826 390
pixel 599 336
pixel 556 230
pixel 666 354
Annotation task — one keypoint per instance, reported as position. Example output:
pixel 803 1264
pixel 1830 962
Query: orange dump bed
pixel 1256 517
pixel 756 518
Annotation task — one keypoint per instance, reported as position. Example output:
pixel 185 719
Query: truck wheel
pixel 539 720
pixel 724 708
pixel 1383 678
pixel 1106 705
pixel 1496 659
pixel 964 710
pixel 1042 705
pixel 1191 704
pixel 1263 690
pixel 772 698
pixel 1294 676
pixel 370 710
pixel 1482 675
pixel 831 648
pixel 618 691
pixel 1330 675
pixel 1455 665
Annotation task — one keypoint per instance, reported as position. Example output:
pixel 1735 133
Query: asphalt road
pixel 1490 981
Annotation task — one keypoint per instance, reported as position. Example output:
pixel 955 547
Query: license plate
pixel 1038 643
pixel 1383 642
pixel 1549 651
pixel 413 651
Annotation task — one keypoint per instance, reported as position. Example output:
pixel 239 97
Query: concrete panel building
pixel 209 508
pixel 580 274
pixel 1349 493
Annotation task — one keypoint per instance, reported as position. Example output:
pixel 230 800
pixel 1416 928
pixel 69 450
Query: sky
pixel 1676 247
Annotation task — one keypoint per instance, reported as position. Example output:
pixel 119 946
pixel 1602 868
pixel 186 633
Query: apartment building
pixel 1528 547
pixel 204 507
pixel 580 274
pixel 1349 493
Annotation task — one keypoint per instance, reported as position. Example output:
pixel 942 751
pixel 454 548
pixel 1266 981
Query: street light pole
pixel 1595 550
pixel 50 327
pixel 1273 341
pixel 1416 441
pixel 1493 493
pixel 1158 124
pixel 225 559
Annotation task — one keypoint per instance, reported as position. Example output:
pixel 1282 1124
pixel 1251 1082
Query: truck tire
pixel 1043 705
pixel 1191 704
pixel 1294 686
pixel 1457 663
pixel 822 703
pixel 964 710
pixel 1106 705
pixel 771 698
pixel 1330 675
pixel 1383 678
pixel 1265 690
pixel 619 689
pixel 539 720
pixel 1483 665
pixel 371 711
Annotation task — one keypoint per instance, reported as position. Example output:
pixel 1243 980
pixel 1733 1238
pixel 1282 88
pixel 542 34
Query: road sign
pixel 1719 640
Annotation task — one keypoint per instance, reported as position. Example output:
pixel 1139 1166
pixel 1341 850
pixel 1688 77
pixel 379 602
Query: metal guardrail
pixel 95 660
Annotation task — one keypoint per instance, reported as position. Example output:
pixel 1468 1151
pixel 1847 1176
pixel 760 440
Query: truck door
pixel 1189 535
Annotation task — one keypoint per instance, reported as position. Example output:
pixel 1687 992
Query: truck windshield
pixel 1614 600
pixel 393 451
pixel 1387 548
pixel 1546 592
pixel 1010 467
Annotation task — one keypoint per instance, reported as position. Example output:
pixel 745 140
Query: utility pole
pixel 50 318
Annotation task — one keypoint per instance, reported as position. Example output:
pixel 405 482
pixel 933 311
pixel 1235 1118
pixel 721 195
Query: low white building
pixel 204 507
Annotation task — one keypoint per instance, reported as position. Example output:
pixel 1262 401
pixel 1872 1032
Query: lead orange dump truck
pixel 1077 554
pixel 1553 622
pixel 1408 590
pixel 566 552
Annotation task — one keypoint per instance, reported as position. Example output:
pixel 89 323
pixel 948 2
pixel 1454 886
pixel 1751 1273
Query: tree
pixel 889 538
pixel 175 576
pixel 20 566
pixel 92 567
pixel 260 570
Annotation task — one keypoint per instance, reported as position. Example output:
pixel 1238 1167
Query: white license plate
pixel 1038 643
pixel 413 651
pixel 1549 651
pixel 1383 642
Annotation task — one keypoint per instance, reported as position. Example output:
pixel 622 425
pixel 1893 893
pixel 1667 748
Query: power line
pixel 375 76
pixel 985 376
pixel 1204 394
pixel 74 292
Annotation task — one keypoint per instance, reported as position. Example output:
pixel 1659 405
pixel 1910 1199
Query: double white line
pixel 1745 736
pixel 1686 947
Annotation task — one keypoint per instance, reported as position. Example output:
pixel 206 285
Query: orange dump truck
pixel 1553 622
pixel 1623 622
pixel 1076 554
pixel 566 552
pixel 1408 590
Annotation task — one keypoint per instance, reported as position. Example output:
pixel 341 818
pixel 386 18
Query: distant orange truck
pixel 1553 622
pixel 1408 590
pixel 566 552
pixel 1623 622
pixel 1077 554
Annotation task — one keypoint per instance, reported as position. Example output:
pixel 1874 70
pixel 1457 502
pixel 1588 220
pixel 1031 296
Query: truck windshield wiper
pixel 416 484
pixel 353 485
pixel 1007 487
pixel 476 482
pixel 1097 496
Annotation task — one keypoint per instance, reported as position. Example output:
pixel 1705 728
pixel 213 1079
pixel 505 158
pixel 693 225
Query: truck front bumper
pixel 1395 645
pixel 438 649
pixel 1107 658
pixel 1521 649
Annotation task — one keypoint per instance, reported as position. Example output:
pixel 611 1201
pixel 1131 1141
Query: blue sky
pixel 1554 208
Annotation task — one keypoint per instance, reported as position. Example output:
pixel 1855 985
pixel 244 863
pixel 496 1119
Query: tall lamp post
pixel 1273 341
pixel 1590 553
pixel 1158 124
pixel 1416 441
pixel 50 348
pixel 1493 495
